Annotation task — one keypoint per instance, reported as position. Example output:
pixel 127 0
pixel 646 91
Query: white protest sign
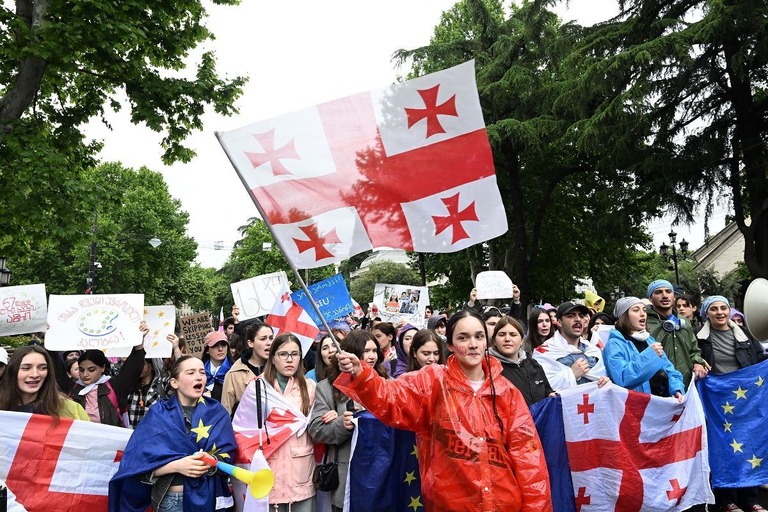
pixel 256 296
pixel 23 309
pixel 161 321
pixel 493 284
pixel 401 302
pixel 83 322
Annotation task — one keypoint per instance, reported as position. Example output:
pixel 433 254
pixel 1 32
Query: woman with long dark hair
pixel 29 385
pixel 258 340
pixel 426 349
pixel 331 421
pixel 540 329
pixel 478 449
pixel 324 361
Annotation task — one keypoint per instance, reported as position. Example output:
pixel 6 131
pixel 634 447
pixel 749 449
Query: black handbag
pixel 326 476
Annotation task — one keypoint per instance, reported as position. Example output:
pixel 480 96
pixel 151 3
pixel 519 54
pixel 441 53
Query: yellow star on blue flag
pixel 733 406
pixel 201 430
pixel 415 503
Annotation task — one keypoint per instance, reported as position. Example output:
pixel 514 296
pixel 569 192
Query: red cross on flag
pixel 59 467
pixel 631 451
pixel 287 316
pixel 407 166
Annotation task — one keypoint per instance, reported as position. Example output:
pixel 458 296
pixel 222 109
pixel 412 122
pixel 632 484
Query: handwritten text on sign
pixel 23 309
pixel 256 296
pixel 85 322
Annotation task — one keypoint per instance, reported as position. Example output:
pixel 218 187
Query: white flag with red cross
pixel 407 166
pixel 288 316
pixel 58 467
pixel 631 451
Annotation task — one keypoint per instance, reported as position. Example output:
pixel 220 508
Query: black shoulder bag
pixel 326 476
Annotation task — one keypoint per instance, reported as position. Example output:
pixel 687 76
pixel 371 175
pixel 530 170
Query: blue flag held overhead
pixel 735 407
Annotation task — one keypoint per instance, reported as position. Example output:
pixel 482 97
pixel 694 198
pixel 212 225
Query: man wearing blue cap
pixel 674 333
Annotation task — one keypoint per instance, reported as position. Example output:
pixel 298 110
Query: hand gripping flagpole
pixel 280 245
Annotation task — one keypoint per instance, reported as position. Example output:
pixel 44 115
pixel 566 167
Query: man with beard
pixel 567 358
pixel 674 333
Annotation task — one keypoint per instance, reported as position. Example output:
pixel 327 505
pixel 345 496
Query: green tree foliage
pixel 688 79
pixel 570 212
pixel 130 207
pixel 385 272
pixel 203 289
pixel 62 63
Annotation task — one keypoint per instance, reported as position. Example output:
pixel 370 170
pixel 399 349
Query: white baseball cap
pixel 3 356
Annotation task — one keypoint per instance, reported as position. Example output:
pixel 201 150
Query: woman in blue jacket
pixel 636 361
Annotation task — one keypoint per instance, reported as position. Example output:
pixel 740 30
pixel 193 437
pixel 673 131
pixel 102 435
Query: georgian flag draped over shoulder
pixel 407 166
pixel 625 451
pixel 288 316
pixel 59 467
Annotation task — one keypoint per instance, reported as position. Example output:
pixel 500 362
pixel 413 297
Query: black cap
pixel 566 307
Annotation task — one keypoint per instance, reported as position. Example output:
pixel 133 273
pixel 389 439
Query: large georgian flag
pixel 59 467
pixel 406 166
pixel 610 449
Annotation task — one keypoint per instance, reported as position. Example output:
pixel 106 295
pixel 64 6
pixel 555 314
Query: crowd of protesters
pixel 471 375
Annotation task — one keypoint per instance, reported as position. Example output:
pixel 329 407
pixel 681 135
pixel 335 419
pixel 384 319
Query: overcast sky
pixel 296 54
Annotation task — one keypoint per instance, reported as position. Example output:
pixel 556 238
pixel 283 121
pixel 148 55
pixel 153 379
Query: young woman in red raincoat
pixel 477 445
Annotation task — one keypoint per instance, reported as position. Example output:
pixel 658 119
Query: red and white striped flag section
pixel 59 467
pixel 263 422
pixel 288 316
pixel 406 166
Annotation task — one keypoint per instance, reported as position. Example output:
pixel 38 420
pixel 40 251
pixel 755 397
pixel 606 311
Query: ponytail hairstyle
pixel 449 328
pixel 270 372
pixel 48 401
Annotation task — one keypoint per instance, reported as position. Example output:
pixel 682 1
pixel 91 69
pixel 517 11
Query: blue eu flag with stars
pixel 384 469
pixel 737 430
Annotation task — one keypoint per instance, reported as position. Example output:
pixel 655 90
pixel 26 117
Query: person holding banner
pixel 477 445
pixel 29 385
pixel 162 465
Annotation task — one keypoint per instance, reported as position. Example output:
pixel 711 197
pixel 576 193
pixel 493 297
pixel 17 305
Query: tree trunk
pixel 20 95
pixel 748 132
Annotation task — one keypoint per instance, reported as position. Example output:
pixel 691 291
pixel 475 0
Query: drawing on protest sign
pixel 194 328
pixel 23 309
pixel 83 322
pixel 256 296
pixel 161 321
pixel 331 296
pixel 493 284
pixel 401 302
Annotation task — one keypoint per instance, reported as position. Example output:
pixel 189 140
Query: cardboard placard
pixel 493 284
pixel 256 296
pixel 194 328
pixel 83 322
pixel 23 309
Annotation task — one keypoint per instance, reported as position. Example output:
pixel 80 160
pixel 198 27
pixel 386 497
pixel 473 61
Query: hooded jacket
pixel 526 374
pixel 235 382
pixel 633 370
pixel 466 463
pixel 680 346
